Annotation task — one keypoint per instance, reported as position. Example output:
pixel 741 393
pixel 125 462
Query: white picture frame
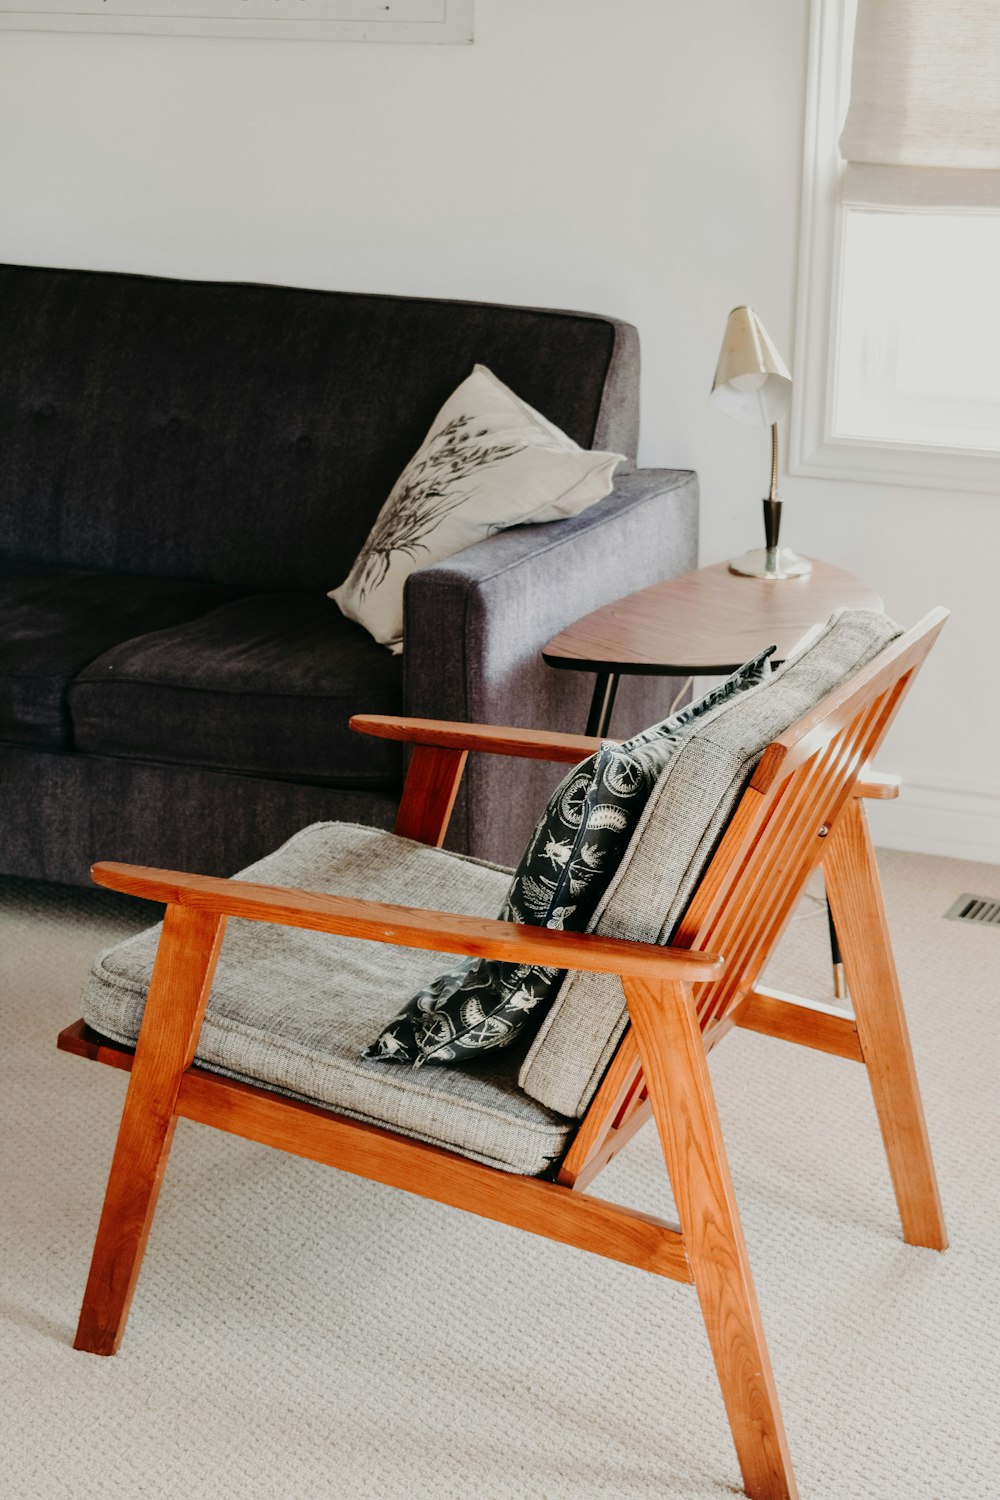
pixel 440 21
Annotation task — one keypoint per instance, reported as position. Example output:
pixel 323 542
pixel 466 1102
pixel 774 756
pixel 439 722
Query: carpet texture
pixel 298 1333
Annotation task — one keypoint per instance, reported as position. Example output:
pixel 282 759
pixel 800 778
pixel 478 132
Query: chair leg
pixel 855 894
pixel 178 994
pixel 675 1070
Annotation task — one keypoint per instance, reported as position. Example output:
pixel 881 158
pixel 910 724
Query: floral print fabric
pixel 488 462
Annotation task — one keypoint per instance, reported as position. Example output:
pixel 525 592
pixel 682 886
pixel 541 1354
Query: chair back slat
pixel 775 839
pixel 771 846
pixel 892 668
pixel 788 848
pixel 787 853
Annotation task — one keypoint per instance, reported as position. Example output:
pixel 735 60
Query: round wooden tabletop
pixel 706 622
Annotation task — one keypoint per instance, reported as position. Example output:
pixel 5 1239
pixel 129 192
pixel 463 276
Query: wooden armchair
pixel 803 805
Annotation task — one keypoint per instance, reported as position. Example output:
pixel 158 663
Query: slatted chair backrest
pixel 772 844
pixel 775 838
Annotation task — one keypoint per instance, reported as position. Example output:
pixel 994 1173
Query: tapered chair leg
pixel 675 1070
pixel 178 994
pixel 855 893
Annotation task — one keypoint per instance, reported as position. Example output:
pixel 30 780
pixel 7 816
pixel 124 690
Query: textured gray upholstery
pixel 53 621
pixel 684 820
pixel 265 684
pixel 292 1009
pixel 214 429
pixel 61 813
pixel 476 624
pixel 239 440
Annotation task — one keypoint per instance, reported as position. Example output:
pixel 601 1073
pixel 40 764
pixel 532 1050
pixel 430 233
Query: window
pixel 917 328
pixel 899 297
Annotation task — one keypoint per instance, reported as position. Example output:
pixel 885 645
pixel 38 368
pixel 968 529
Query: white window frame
pixel 448 21
pixel 813 450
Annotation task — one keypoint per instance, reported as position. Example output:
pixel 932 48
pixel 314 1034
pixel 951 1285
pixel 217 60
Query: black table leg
pixel 839 980
pixel 602 703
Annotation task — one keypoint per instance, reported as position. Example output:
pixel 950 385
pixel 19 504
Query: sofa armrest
pixel 475 625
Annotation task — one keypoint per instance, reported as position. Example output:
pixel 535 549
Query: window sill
pixel 869 462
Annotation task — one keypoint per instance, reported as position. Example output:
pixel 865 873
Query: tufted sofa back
pixel 249 434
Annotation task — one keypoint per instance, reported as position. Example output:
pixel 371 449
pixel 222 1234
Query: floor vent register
pixel 983 910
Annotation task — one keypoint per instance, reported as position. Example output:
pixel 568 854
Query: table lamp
pixel 753 385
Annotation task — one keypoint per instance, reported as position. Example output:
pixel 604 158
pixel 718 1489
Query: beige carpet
pixel 298 1333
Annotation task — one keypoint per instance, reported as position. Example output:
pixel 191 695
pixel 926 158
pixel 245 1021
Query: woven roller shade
pixel 923 127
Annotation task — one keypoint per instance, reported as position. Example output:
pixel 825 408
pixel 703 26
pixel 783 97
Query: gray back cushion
pixel 249 434
pixel 686 816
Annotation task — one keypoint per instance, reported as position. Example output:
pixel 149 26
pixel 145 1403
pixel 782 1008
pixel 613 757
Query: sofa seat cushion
pixel 55 621
pixel 263 685
pixel 292 1009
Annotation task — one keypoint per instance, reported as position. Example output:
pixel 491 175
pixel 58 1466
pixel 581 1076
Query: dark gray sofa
pixel 185 469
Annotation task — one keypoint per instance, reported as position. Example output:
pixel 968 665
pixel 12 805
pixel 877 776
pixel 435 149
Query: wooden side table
pixel 703 624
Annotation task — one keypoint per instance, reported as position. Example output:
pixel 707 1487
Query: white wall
pixel 639 157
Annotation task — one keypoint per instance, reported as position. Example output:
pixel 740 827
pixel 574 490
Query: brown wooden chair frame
pixel 803 805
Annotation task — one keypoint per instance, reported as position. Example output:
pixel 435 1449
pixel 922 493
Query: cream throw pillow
pixel 489 461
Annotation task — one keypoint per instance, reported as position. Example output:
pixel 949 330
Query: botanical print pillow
pixel 571 857
pixel 489 461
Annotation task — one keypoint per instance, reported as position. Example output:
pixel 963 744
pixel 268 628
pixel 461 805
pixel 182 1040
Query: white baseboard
pixel 943 816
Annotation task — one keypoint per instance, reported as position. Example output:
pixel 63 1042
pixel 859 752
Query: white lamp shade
pixel 751 382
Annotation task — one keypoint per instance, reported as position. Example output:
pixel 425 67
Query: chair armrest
pixel 541 744
pixel 409 926
pixel 495 739
pixel 476 623
pixel 882 786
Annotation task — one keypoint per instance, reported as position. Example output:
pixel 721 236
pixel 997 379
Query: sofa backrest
pixel 249 434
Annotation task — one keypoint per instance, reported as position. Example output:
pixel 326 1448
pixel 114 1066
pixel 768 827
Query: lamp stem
pixel 772 508
pixel 771 560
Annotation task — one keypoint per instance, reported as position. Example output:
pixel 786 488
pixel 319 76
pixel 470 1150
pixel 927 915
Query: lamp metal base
pixel 771 562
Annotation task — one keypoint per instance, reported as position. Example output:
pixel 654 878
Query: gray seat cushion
pixel 264 685
pixel 293 1009
pixel 683 822
pixel 54 621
